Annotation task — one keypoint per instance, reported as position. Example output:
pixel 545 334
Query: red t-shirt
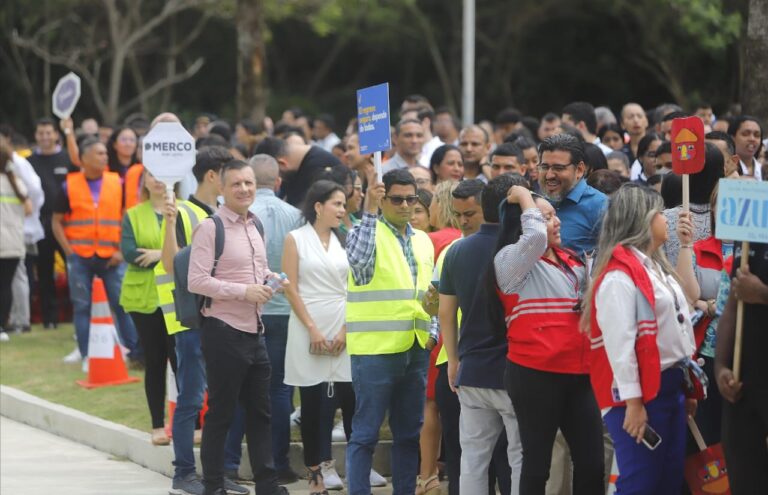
pixel 442 238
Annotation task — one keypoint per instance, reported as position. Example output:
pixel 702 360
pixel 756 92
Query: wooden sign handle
pixel 696 433
pixel 740 317
pixel 377 166
pixel 686 192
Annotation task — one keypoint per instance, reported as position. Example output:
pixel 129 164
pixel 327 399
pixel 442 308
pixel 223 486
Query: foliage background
pixel 535 55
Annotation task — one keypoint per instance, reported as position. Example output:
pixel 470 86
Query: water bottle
pixel 434 333
pixel 276 281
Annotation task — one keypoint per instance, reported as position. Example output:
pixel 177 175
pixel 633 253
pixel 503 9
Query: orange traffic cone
pixel 105 360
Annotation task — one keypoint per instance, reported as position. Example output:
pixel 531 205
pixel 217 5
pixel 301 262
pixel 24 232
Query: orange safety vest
pixel 94 229
pixel 133 185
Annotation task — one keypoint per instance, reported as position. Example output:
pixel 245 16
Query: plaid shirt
pixel 361 248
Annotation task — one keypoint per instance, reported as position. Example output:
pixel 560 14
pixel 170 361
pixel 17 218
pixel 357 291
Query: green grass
pixel 32 362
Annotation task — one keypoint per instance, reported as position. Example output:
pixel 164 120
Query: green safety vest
pixel 384 315
pixel 191 215
pixel 145 289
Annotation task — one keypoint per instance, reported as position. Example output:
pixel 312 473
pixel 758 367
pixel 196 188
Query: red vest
pixel 543 318
pixel 646 350
pixel 709 256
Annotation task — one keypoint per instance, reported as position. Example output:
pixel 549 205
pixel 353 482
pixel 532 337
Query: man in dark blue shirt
pixel 476 362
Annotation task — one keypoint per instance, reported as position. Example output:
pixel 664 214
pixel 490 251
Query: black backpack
pixel 188 305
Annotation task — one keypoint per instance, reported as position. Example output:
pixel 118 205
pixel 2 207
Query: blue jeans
pixel 190 378
pixel 275 336
pixel 394 382
pixel 658 471
pixel 80 273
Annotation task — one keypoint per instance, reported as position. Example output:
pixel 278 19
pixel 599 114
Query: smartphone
pixel 651 439
pixel 696 316
pixel 436 283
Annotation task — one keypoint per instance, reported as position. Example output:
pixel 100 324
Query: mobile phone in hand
pixel 651 439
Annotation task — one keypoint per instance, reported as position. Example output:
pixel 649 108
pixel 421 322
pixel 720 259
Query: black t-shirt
pixel 482 348
pixel 296 184
pixel 754 364
pixel 53 170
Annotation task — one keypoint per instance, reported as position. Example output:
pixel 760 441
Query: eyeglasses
pixel 558 169
pixel 398 200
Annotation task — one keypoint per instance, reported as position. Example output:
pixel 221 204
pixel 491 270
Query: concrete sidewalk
pixel 35 462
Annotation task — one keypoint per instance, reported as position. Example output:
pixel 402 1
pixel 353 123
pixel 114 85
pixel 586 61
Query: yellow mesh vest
pixel 384 315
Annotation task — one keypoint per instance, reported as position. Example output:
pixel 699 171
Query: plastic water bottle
pixel 276 281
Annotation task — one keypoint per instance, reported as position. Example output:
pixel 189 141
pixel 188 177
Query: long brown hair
pixel 6 159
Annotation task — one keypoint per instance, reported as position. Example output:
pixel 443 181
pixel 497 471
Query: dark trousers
pixel 46 249
pixel 450 409
pixel 745 428
pixel 547 401
pixel 237 367
pixel 341 398
pixel 316 425
pixel 7 271
pixel 159 348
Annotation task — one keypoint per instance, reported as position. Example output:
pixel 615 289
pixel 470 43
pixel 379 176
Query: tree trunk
pixel 754 91
pixel 251 65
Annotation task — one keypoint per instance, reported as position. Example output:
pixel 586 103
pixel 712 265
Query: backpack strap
pixel 259 226
pixel 218 249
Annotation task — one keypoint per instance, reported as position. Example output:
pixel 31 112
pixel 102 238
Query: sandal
pixel 316 477
pixel 429 486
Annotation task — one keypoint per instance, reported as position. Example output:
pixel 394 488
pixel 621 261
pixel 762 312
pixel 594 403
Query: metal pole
pixel 468 64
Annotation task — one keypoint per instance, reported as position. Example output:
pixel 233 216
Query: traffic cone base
pixel 104 369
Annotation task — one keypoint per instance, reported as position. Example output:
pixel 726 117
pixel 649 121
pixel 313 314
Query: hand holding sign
pixel 65 95
pixel 168 153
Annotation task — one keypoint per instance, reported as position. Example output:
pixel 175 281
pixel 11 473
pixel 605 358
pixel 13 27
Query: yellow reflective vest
pixel 191 215
pixel 385 315
pixel 442 356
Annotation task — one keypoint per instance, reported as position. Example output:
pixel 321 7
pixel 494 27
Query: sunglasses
pixel 398 200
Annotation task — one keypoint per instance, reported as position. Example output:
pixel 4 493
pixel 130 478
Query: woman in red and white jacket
pixel 547 374
pixel 641 334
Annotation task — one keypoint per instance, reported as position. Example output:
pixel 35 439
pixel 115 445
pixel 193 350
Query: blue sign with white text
pixel 373 118
pixel 742 210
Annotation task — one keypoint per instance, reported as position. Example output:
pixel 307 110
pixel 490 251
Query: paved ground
pixel 34 462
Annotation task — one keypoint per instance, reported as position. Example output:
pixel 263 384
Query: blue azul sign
pixel 742 210
pixel 373 118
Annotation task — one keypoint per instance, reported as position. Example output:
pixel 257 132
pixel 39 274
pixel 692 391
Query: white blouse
pixel 615 303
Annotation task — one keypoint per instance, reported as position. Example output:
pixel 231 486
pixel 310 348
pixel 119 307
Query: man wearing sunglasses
pixel 391 268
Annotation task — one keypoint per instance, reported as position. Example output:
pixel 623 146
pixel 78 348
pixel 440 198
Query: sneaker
pixel 188 485
pixel 331 478
pixel 234 475
pixel 338 435
pixel 4 337
pixel 287 476
pixel 296 417
pixel 233 488
pixel 377 480
pixel 73 357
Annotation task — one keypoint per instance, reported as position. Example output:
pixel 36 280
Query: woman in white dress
pixel 316 360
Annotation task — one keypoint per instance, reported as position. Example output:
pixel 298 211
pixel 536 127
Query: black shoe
pixel 287 476
pixel 218 491
pixel 50 326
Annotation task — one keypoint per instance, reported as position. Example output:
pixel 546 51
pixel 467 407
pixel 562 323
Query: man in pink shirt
pixel 236 360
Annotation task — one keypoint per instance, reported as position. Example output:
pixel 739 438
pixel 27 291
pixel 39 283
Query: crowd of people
pixel 524 300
